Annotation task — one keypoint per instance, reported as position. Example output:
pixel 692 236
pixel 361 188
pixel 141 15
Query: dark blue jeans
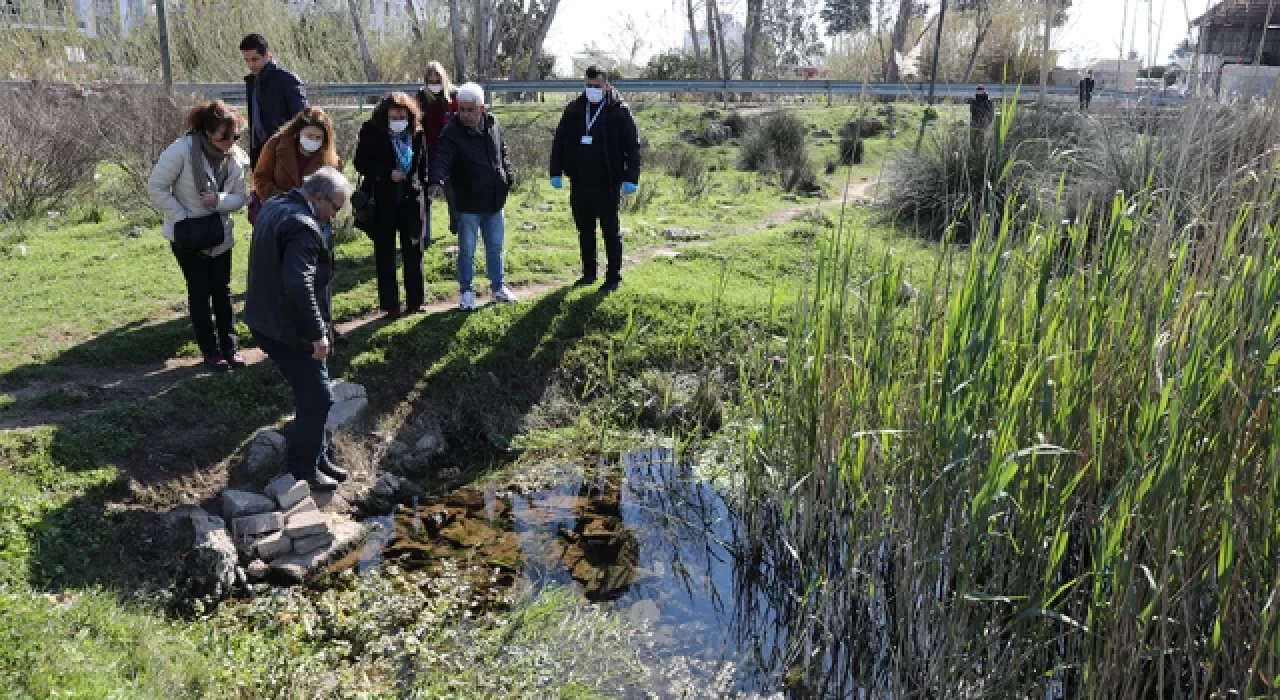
pixel 313 396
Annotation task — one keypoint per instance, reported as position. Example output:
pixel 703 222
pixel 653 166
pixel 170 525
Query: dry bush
pixel 529 146
pixel 778 145
pixel 45 154
pixel 143 122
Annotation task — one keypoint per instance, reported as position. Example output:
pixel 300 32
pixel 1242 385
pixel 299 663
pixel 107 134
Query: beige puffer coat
pixel 173 189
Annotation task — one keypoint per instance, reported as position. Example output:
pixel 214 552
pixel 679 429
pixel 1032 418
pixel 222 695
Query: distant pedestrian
pixel 473 155
pixel 274 94
pixel 438 101
pixel 1086 89
pixel 197 182
pixel 288 308
pixel 392 157
pixel 301 147
pixel 981 110
pixel 597 146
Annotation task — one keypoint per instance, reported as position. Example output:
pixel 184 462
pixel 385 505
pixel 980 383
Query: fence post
pixel 828 93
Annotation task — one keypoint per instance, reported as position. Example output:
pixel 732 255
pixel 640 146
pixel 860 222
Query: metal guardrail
pixel 365 92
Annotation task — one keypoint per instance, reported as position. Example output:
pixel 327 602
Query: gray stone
pixel 716 134
pixel 273 546
pixel 266 451
pixel 307 545
pixel 677 233
pixel 387 485
pixel 347 537
pixel 262 523
pixel 432 442
pixel 279 485
pixel 349 402
pixel 257 570
pixel 209 567
pixel 529 226
pixel 306 524
pixel 907 292
pixel 295 495
pixel 302 506
pixel 238 504
pixel 821 134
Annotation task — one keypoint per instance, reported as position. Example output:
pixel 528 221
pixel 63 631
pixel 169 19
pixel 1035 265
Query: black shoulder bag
pixel 362 206
pixel 199 233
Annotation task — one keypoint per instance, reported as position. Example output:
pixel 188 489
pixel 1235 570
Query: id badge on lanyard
pixel 591 121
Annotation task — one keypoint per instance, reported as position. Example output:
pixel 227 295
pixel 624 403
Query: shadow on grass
pixel 493 374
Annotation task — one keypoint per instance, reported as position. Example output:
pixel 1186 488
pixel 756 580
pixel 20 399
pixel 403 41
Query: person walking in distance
pixel 597 146
pixel 274 95
pixel 392 156
pixel 473 155
pixel 199 180
pixel 288 307
pixel 1086 89
pixel 437 100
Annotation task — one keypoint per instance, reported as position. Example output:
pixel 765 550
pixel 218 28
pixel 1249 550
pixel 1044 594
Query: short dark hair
pixel 214 116
pixel 595 72
pixel 254 42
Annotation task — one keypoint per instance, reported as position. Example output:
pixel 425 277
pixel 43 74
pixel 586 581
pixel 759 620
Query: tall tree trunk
pixel 711 38
pixel 899 39
pixel 415 23
pixel 751 37
pixel 370 70
pixel 693 34
pixel 482 38
pixel 540 38
pixel 459 45
pixel 724 53
pixel 522 37
pixel 984 26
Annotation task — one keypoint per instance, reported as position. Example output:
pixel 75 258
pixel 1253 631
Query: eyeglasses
pixel 234 136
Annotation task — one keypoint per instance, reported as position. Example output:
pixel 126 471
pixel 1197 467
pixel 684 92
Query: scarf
pixel 204 153
pixel 402 144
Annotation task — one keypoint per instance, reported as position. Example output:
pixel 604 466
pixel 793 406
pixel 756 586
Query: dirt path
pixel 89 389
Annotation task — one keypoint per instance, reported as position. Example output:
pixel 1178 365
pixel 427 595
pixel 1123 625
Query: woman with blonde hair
pixel 437 100
pixel 300 148
pixel 197 182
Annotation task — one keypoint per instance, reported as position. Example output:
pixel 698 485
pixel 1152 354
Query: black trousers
pixel 591 204
pixel 404 227
pixel 209 299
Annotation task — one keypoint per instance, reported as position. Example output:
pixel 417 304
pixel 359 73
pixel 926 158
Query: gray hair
pixel 327 181
pixel 470 93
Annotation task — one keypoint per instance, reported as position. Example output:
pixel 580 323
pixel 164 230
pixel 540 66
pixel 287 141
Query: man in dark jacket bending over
pixel 597 145
pixel 287 306
pixel 274 95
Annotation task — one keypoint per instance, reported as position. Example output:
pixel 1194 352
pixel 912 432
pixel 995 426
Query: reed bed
pixel 1054 474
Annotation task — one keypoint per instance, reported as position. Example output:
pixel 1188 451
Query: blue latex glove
pixel 628 188
pixel 557 181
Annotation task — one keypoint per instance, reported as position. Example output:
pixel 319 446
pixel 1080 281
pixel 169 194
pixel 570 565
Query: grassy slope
pixel 61 527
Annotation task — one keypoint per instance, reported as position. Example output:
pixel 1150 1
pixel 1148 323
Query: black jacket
pixel 1086 87
pixel 280 97
pixel 290 269
pixel 621 139
pixel 476 163
pixel 375 160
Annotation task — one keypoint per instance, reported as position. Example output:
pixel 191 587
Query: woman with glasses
pixel 197 182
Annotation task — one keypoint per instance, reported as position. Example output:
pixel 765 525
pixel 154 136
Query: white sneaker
pixel 505 295
pixel 467 302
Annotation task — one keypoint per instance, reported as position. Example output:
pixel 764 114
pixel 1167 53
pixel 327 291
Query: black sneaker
pixel 321 482
pixel 332 471
pixel 584 281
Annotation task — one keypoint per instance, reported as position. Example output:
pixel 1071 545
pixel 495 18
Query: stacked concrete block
pixel 281 522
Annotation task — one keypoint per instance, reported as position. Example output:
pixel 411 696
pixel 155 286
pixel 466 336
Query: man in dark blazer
pixel 274 94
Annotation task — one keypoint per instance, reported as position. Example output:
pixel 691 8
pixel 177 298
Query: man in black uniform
pixel 598 147
pixel 1086 90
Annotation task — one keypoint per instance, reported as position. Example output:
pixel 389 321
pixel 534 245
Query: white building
pixel 93 17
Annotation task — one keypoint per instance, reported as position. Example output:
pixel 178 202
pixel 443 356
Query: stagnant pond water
pixel 638 532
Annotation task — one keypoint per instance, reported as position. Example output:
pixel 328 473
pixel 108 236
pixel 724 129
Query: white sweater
pixel 172 186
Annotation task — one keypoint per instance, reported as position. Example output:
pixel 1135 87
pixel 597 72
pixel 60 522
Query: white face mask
pixel 399 125
pixel 309 145
pixel 595 95
pixel 435 88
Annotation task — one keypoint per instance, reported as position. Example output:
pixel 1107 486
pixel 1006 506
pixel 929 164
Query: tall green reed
pixel 1053 475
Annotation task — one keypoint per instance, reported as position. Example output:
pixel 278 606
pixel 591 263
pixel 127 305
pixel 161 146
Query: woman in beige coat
pixel 199 175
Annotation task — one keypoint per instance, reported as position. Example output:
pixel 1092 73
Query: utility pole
pixel 1044 56
pixel 166 65
pixel 933 73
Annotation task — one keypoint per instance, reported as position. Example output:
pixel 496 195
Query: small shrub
pixel 154 120
pixel 45 155
pixel 778 145
pixel 529 146
pixel 737 124
pixel 644 196
pixel 851 150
